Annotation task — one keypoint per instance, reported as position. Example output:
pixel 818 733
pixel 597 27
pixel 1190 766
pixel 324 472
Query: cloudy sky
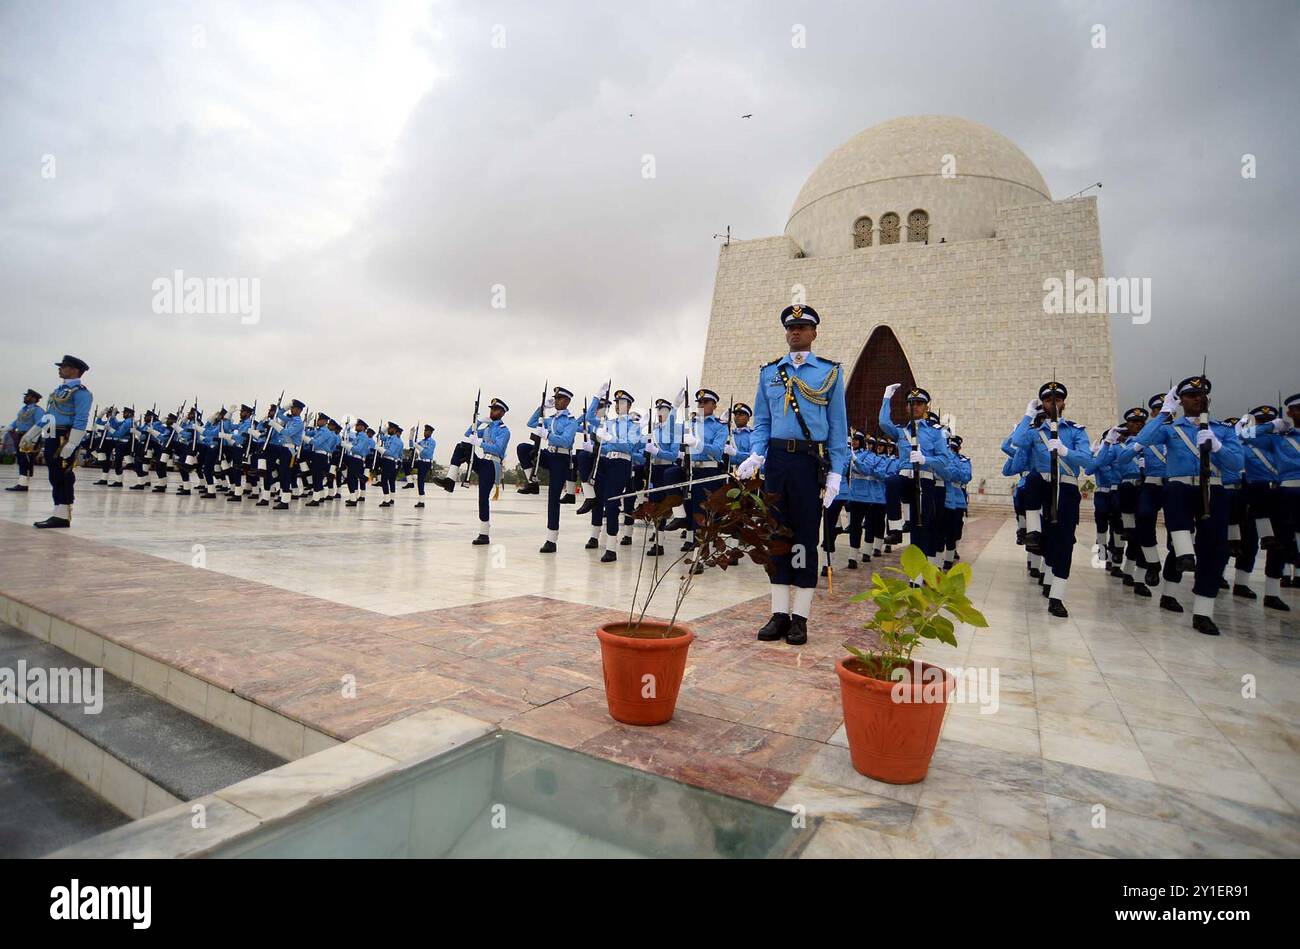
pixel 388 171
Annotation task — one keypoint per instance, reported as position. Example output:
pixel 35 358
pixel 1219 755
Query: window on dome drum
pixel 862 232
pixel 889 228
pixel 918 227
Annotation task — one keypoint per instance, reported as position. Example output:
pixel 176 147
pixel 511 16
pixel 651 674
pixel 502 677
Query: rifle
pixel 917 517
pixel 1053 499
pixel 171 437
pixel 690 475
pixel 266 442
pixel 595 465
pixel 1203 425
pixel 473 430
pixel 573 455
pixel 374 456
pixel 541 418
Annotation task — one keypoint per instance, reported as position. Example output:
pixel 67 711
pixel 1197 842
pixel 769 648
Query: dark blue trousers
pixel 793 478
pixel 61 479
pixel 1210 535
pixel 1058 537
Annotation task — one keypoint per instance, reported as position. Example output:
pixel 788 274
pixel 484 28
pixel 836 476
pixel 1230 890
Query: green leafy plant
pixel 906 614
pixel 735 521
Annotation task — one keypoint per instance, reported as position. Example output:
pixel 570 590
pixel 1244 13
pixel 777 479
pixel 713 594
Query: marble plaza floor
pixel 1117 732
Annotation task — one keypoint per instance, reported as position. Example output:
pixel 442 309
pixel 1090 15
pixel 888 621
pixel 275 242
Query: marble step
pixel 137 751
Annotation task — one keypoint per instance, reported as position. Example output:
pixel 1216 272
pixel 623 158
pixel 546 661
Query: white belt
pixel 1194 479
pixel 559 451
pixel 667 461
pixel 907 473
pixel 1231 486
pixel 1103 489
pixel 617 456
pixel 1155 479
pixel 1290 483
pixel 706 465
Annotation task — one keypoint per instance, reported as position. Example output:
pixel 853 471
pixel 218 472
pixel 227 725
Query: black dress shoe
pixel 1115 571
pixel 419 504
pixel 1036 573
pixel 161 489
pixel 798 634
pixel 1141 589
pixel 657 550
pixel 775 628
pixel 591 544
pixel 698 568
pixel 1167 602
pixel 348 503
pixel 103 481
pixel 608 557
pixel 23 487
pixel 280 506
pixel 852 565
pixel 678 524
pixel 1034 541
pixel 1128 580
pixel 1268 543
pixel 264 503
pixel 688 545
pixel 586 506
pixel 625 541
pixel 445 483
pixel 1276 603
pixel 1153 576
pixel 547 548
pixel 1020 537
pixel 823 570
pixel 1057 608
pixel 1243 591
pixel 53 522
pixel 1047 590
pixel 312 503
pixel 1234 548
pixel 1203 624
pixel 481 540
pixel 1185 564
pixel 1286 581
pixel 530 487
pixel 408 485
pixel 568 499
pixel 235 498
pixel 894 537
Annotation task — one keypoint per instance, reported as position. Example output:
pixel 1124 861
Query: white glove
pixel 581 443
pixel 277 425
pixel 651 449
pixel 1170 405
pixel 1056 445
pixel 1207 437
pixel 549 403
pixel 1141 463
pixel 74 439
pixel 1137 447
pixel 177 428
pixel 891 389
pixel 1031 410
pixel 749 467
pixel 729 449
pixel 541 432
pixel 227 436
pixel 603 434
pixel 475 441
pixel 916 457
pixel 1283 424
pixel 379 450
pixel 832 488
pixel 1112 436
pixel 689 440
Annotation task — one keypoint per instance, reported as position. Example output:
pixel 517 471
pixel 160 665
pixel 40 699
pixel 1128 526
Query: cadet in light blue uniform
pixel 286 437
pixel 424 449
pixel 1288 500
pixel 1074 459
pixel 1106 477
pixel 1272 467
pixel 1126 458
pixel 493 438
pixel 620 437
pixel 235 435
pixel 858 494
pixel 955 500
pixel 390 454
pixel 557 432
pixel 65 421
pixel 637 480
pixel 801 437
pixel 323 444
pixel 356 448
pixel 27 415
pixel 663 445
pixel 704 440
pixel 1207 555
pixel 921 445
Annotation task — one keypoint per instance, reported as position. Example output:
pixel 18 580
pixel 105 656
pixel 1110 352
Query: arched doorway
pixel 882 362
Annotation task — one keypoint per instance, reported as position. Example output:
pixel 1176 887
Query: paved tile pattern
pixel 1120 707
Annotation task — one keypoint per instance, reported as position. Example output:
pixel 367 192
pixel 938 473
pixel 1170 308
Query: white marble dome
pixel 897 168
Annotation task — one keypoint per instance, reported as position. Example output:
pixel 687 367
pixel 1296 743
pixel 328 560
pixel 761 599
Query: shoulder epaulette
pixel 772 363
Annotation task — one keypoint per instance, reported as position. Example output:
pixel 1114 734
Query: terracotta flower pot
pixel 643 674
pixel 893 726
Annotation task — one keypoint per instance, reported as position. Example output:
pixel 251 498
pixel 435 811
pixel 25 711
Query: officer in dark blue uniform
pixel 801 441
pixel 64 423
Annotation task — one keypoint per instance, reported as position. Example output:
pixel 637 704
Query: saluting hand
pixel 891 389
pixel 1170 405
